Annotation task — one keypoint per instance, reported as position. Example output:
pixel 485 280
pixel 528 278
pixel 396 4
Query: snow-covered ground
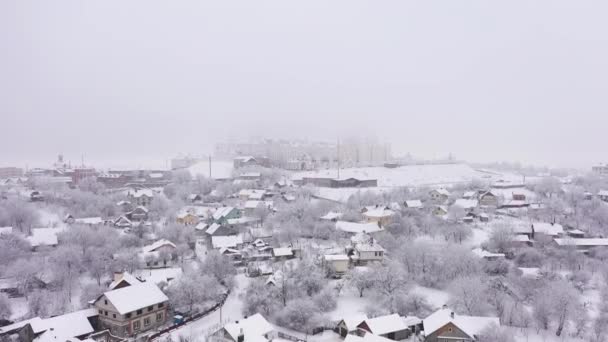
pixel 219 169
pixel 231 311
pixel 412 175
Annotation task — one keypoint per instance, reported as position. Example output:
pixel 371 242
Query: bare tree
pixel 362 280
pixel 469 294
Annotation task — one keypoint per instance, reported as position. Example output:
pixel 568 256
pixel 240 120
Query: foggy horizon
pixel 148 80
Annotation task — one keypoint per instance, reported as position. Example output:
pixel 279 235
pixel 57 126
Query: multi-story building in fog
pixel 10 172
pixel 600 169
pixel 303 154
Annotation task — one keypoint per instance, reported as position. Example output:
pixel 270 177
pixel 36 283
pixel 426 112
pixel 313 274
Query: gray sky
pixel 485 80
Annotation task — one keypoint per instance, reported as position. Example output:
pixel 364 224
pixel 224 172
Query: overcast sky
pixel 485 80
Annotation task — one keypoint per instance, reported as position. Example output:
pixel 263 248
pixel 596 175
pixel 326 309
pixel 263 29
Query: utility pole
pixel 209 166
pixel 338 158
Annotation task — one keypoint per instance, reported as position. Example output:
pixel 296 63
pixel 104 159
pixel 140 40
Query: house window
pixel 159 316
pixel 113 315
pixel 139 312
pixel 105 302
pixel 161 305
pixel 106 313
pixel 136 325
pixel 128 315
pixel 146 321
pixel 150 308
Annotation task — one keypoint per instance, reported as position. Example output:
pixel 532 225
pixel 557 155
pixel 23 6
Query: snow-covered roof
pixel 159 275
pixel 36 323
pixel 201 226
pixel 252 204
pixel 485 254
pixel 466 203
pixel 6 230
pixel 356 227
pixel 530 272
pixel 283 251
pixel 336 257
pixel 127 277
pixel 582 242
pixel 548 228
pixel 242 220
pixel 252 328
pixel 44 237
pixel 228 241
pixel 469 194
pixel 158 244
pixel 369 247
pixel 67 326
pixel 603 193
pixel 442 191
pixel 221 212
pixel 332 215
pixel 135 297
pixel 213 228
pixel 411 320
pixel 385 324
pixel 351 322
pixel 521 238
pixel 141 192
pixel 63 326
pixel 470 325
pixel 413 204
pixel 379 212
pixel 89 220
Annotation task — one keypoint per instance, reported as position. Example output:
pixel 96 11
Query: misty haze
pixel 318 171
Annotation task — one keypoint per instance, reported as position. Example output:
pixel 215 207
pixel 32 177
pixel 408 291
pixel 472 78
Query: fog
pixel 114 80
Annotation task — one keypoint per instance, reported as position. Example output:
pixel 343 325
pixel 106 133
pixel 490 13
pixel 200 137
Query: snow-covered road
pixel 231 311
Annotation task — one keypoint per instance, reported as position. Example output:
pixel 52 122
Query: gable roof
pixel 222 212
pixel 126 277
pixel 385 324
pixel 351 322
pixel 470 325
pixel 158 244
pixel 135 297
pixel 252 327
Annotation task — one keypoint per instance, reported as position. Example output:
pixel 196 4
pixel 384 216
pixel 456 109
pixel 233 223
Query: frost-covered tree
pixel 495 334
pixel 362 280
pixel 26 272
pixel 412 304
pixel 261 298
pixel 191 289
pixel 390 281
pixel 469 295
pixel 300 315
pixel 564 299
pixel 219 267
pixel 326 300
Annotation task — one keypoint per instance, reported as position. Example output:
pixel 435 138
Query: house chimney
pixel 445 306
pixel 118 276
pixel 452 314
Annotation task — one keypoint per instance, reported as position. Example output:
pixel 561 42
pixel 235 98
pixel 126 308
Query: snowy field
pixel 219 169
pixel 412 175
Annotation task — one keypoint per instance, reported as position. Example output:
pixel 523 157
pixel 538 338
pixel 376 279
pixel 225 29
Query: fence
pixel 190 319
